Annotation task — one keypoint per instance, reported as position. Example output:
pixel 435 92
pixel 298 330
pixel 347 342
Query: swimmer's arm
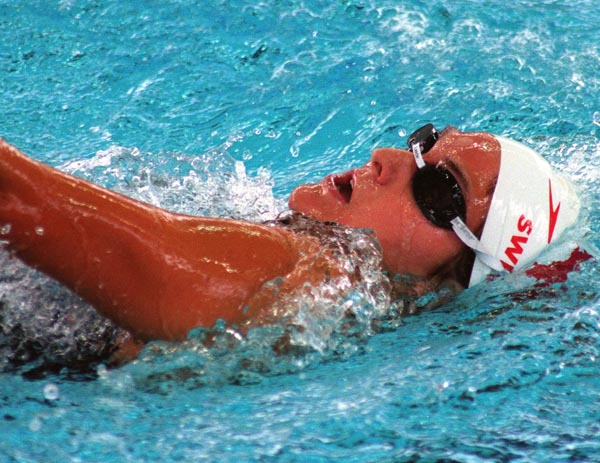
pixel 155 273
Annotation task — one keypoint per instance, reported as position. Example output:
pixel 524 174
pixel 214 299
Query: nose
pixel 391 163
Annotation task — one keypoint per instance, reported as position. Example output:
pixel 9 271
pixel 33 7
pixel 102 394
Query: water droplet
pixel 35 424
pixel 51 392
pixel 198 164
pixel 5 229
pixel 39 231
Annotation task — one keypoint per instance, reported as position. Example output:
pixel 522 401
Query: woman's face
pixel 378 196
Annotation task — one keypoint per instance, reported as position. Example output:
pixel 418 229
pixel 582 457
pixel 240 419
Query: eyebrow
pixel 462 180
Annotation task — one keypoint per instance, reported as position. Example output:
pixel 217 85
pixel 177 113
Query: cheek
pixel 431 249
pixel 421 250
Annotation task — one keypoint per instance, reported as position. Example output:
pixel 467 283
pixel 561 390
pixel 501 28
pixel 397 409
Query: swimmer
pixel 453 207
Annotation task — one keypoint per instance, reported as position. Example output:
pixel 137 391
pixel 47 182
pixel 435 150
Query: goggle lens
pixel 438 196
pixel 435 190
pixel 425 137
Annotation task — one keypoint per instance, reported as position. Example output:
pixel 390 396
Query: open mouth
pixel 344 184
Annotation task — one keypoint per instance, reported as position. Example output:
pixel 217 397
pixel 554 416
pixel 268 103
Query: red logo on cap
pixel 553 213
pixel 514 250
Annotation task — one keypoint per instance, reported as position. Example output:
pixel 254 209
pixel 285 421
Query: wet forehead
pixel 474 159
pixel 475 154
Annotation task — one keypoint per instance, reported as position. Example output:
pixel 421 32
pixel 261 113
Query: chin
pixel 304 201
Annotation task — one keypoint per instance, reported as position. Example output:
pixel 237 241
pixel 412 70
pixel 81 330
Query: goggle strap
pixel 416 150
pixel 467 237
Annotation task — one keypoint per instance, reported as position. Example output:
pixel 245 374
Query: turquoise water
pixel 222 107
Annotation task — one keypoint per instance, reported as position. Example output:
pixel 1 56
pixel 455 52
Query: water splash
pixel 332 319
pixel 211 184
pixel 44 327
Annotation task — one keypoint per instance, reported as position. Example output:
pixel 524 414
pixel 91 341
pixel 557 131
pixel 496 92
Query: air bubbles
pixel 35 424
pixel 236 137
pixel 51 392
pixel 198 164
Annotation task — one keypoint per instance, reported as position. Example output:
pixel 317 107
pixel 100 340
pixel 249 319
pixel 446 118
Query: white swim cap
pixel 531 207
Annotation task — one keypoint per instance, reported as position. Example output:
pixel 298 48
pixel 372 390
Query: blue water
pixel 252 99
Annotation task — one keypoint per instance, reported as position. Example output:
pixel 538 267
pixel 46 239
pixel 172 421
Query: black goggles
pixel 436 191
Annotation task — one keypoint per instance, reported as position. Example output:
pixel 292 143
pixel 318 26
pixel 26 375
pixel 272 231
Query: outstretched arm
pixel 155 273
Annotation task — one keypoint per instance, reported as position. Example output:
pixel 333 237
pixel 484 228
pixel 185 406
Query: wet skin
pixel 378 196
pixel 155 273
pixel 160 274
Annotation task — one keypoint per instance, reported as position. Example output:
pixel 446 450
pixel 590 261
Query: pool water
pixel 221 107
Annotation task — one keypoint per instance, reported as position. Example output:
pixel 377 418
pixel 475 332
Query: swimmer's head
pixel 379 196
pixel 448 189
